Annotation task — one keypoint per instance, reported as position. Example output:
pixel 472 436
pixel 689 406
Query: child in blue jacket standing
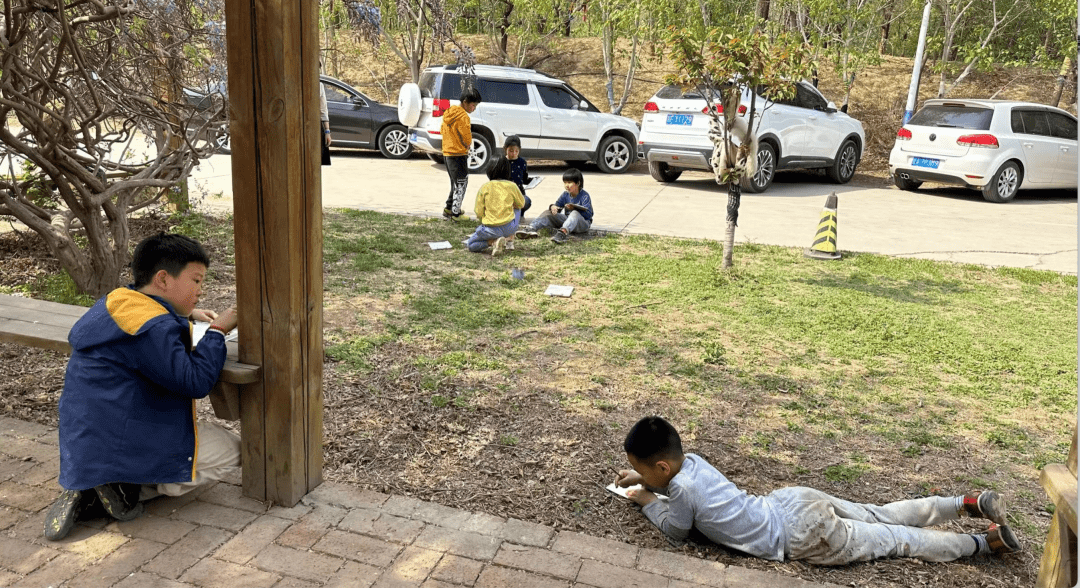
pixel 127 412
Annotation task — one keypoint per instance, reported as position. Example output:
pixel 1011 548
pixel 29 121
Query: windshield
pixel 953 116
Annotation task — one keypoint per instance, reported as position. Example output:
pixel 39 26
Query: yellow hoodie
pixel 456 132
pixel 496 201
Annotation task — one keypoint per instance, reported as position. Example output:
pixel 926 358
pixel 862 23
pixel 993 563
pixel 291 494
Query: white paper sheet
pixel 440 245
pixel 556 290
pixel 622 491
pixel 533 182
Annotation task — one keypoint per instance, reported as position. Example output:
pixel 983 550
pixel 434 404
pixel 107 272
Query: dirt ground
pixel 522 452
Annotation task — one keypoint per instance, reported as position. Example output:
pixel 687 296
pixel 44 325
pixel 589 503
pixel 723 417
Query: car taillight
pixel 718 107
pixel 439 106
pixel 903 134
pixel 985 141
pixel 742 110
pixel 651 107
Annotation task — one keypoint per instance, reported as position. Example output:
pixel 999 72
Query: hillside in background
pixel 877 98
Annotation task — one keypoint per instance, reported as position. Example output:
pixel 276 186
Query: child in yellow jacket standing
pixel 498 206
pixel 456 140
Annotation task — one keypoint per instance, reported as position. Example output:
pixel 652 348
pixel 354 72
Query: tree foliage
pixel 83 86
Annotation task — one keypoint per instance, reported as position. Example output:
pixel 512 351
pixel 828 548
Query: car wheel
pixel 1004 184
pixel 224 144
pixel 615 155
pixel 436 158
pixel 909 185
pixel 394 142
pixel 843 167
pixel 479 154
pixel 662 172
pixel 766 170
pixel 409 104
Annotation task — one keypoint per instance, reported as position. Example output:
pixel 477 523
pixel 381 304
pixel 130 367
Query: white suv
pixel 553 120
pixel 806 131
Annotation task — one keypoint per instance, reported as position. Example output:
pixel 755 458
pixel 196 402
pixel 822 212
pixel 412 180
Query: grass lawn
pixel 872 378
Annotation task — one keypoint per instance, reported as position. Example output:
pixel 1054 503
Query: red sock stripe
pixel 971 500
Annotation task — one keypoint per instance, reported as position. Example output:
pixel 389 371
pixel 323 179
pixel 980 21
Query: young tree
pixel 87 83
pixel 730 68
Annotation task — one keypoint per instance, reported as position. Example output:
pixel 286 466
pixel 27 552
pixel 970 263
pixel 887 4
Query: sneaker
pixel 560 237
pixel 526 234
pixel 1002 540
pixel 986 504
pixel 447 214
pixel 498 246
pixel 61 516
pixel 509 245
pixel 121 501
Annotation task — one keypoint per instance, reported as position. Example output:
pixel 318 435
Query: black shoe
pixel 61 516
pixel 121 501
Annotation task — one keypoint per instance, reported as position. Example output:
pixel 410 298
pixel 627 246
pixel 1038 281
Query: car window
pixel 336 94
pixel 1062 126
pixel 955 116
pixel 503 92
pixel 1035 122
pixel 558 97
pixel 806 97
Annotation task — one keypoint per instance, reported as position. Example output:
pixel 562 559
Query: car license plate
pixel 925 162
pixel 680 119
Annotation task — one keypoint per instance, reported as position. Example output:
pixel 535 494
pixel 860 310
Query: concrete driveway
pixel 1038 230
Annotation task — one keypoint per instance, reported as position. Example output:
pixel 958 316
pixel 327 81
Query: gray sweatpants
pixel 826 530
pixel 573 222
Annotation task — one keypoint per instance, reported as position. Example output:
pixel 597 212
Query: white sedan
pixel 995 146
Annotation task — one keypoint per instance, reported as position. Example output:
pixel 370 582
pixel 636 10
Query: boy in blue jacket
pixel 797 522
pixel 571 213
pixel 519 169
pixel 127 411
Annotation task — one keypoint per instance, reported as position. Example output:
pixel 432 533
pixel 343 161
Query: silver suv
pixel 803 132
pixel 553 120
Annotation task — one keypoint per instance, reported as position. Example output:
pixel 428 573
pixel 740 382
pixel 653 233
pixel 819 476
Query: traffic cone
pixel 824 246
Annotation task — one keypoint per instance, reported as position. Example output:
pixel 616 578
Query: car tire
pixel 394 142
pixel 409 104
pixel 1003 186
pixel 480 154
pixel 615 155
pixel 662 172
pixel 439 159
pixel 766 170
pixel 843 167
pixel 224 144
pixel 909 185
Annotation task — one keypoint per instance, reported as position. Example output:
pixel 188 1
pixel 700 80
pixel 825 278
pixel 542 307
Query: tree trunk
pixel 1065 67
pixel 885 30
pixel 734 196
pixel 763 9
pixel 504 27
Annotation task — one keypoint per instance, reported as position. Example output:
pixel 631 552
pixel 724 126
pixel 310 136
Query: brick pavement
pixel 338 536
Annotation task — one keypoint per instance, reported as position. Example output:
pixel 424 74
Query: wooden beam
pixel 274 111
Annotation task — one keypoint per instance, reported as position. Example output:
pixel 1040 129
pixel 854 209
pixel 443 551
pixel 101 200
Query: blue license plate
pixel 925 162
pixel 680 119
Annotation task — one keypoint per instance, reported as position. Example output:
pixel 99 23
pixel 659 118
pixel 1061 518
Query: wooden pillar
pixel 274 112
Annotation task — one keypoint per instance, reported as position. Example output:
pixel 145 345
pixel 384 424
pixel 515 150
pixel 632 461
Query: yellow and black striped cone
pixel 824 246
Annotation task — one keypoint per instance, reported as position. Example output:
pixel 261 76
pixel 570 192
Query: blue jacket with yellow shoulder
pixel 127 412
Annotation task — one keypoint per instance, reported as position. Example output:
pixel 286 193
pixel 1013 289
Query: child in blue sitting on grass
pixel 797 522
pixel 571 213
pixel 498 207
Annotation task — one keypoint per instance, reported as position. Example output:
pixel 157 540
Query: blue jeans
pixel 826 530
pixel 573 222
pixel 479 239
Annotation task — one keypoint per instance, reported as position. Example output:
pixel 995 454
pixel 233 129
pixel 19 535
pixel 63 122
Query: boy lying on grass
pixel 797 522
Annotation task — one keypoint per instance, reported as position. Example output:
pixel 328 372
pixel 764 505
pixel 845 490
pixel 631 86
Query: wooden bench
pixel 1058 567
pixel 37 323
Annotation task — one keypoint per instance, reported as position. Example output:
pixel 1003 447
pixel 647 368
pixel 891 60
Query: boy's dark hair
pixel 573 175
pixel 165 251
pixel 512 141
pixel 500 170
pixel 652 439
pixel 470 95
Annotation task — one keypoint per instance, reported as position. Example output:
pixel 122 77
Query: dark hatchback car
pixel 356 121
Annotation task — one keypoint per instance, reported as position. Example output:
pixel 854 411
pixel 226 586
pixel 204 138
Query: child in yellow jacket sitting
pixel 498 207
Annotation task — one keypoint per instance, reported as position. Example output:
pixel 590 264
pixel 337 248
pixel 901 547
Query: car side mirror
pixel 583 105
